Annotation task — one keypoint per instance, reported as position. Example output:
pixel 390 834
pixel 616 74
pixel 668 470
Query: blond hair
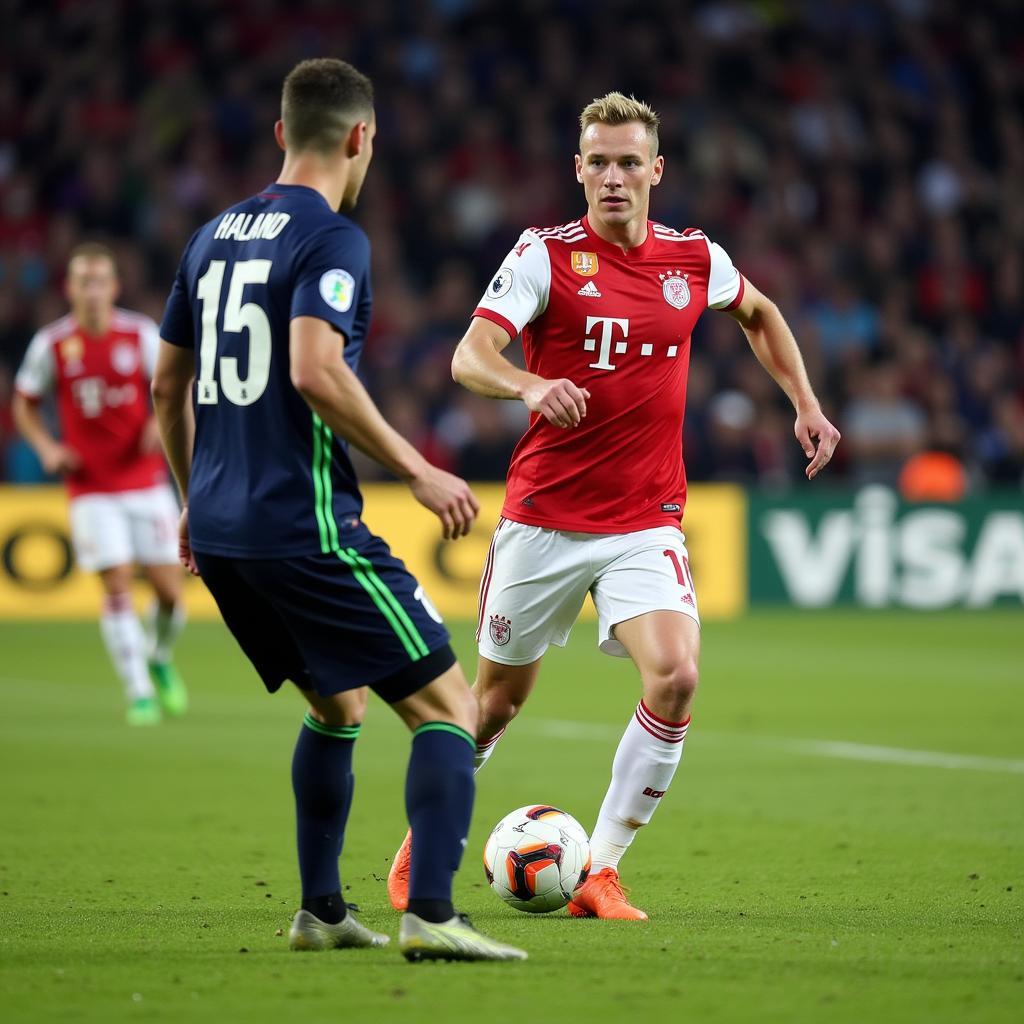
pixel 616 108
pixel 93 251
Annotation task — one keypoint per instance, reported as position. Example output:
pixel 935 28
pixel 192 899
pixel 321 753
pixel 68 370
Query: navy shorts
pixel 334 622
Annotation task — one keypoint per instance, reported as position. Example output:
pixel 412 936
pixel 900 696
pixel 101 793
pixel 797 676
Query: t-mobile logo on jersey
pixel 605 343
pixel 608 325
pixel 92 395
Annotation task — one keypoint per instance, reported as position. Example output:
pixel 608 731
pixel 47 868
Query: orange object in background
pixel 933 476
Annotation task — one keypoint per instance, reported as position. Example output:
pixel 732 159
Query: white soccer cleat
pixel 455 939
pixel 308 932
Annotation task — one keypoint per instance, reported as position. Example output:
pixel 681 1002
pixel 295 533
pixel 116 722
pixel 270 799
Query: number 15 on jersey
pixel 238 316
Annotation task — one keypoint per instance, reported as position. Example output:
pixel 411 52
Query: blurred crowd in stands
pixel 861 160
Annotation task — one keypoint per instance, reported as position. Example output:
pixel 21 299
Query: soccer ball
pixel 536 858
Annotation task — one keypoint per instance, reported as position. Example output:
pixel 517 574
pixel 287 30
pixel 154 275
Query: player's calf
pixel 500 691
pixel 322 782
pixel 644 766
pixel 438 794
pixel 125 642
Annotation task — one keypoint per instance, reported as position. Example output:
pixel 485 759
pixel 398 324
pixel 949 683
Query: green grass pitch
pixel 807 865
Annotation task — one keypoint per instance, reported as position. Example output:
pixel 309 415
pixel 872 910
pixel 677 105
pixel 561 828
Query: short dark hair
pixel 321 101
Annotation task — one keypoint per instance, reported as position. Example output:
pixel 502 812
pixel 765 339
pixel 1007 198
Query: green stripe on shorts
pixel 393 601
pixel 383 606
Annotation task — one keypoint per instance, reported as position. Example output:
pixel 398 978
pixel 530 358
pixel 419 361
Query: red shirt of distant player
pixel 618 324
pixel 101 384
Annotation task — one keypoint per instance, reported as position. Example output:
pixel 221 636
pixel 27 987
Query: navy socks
pixel 323 784
pixel 439 793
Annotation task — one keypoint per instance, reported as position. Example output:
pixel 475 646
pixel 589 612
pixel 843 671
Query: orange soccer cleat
pixel 602 895
pixel 398 876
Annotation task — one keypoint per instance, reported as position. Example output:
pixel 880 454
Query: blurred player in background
pixel 97 361
pixel 596 487
pixel 269 313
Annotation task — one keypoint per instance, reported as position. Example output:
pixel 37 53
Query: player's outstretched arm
pixel 28 418
pixel 478 364
pixel 336 395
pixel 776 349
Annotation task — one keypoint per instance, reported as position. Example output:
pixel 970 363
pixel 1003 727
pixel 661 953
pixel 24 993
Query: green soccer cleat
pixel 169 687
pixel 143 711
pixel 456 939
pixel 308 932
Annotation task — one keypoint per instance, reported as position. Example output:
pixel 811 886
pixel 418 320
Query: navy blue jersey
pixel 269 480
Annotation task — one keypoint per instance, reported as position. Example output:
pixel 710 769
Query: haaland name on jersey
pixel 244 227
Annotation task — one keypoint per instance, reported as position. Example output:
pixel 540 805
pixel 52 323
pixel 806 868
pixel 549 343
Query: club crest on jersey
pixel 675 288
pixel 124 358
pixel 584 263
pixel 501 630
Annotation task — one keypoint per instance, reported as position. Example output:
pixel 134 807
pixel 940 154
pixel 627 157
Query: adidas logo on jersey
pixel 590 290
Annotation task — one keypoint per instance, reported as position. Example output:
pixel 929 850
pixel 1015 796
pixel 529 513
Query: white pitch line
pixel 902 755
pixel 837 749
pixel 564 729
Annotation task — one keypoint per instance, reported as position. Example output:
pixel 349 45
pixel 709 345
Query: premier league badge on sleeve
pixel 675 288
pixel 501 284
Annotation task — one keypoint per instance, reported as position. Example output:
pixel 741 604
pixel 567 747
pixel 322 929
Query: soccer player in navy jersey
pixel 263 331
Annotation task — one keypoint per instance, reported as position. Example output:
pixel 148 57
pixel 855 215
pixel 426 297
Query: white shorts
pixel 125 527
pixel 535 581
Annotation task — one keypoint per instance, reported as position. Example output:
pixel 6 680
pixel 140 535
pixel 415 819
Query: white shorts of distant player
pixel 125 527
pixel 535 581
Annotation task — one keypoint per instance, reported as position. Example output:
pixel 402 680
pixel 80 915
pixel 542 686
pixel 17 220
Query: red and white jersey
pixel 101 384
pixel 618 324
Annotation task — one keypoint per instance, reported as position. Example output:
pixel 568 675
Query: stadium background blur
pixel 844 842
pixel 861 161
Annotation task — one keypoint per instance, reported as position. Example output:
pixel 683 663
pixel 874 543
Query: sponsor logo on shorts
pixel 688 599
pixel 501 630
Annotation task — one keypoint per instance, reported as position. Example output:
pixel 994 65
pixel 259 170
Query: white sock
pixel 644 764
pixel 484 750
pixel 164 628
pixel 126 645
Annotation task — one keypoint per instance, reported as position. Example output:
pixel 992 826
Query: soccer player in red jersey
pixel 596 487
pixel 97 361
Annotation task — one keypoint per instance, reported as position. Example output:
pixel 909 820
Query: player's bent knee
pixel 346 708
pixel 676 684
pixel 117 581
pixel 445 699
pixel 458 707
pixel 499 706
